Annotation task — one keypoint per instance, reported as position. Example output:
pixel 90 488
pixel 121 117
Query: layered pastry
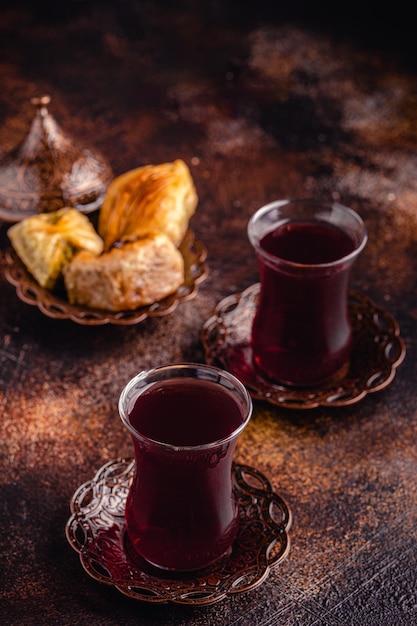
pixel 48 241
pixel 139 273
pixel 133 260
pixel 153 197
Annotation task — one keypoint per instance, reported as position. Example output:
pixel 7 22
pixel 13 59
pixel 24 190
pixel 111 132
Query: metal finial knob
pixel 41 101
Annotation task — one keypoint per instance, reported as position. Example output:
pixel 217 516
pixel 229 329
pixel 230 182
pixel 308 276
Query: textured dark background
pixel 262 102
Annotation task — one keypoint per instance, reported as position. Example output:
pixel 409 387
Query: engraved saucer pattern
pixel 56 305
pixel 377 351
pixel 96 531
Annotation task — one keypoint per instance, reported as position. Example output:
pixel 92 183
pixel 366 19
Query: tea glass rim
pixel 213 374
pixel 324 205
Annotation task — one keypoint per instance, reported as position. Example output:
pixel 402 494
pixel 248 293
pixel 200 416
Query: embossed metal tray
pixel 56 305
pixel 96 531
pixel 377 352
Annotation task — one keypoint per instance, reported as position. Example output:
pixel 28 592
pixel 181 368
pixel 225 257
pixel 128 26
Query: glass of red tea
pixel 181 511
pixel 301 333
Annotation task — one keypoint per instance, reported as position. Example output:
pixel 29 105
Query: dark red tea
pixel 186 412
pixel 181 512
pixel 301 333
pixel 308 243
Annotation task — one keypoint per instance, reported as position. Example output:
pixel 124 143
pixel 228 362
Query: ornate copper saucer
pixel 55 305
pixel 377 351
pixel 47 171
pixel 96 531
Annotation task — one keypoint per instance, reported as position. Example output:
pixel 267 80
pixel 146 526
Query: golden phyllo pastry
pixel 137 274
pixel 46 242
pixel 153 197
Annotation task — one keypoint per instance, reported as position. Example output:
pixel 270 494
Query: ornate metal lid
pixel 47 172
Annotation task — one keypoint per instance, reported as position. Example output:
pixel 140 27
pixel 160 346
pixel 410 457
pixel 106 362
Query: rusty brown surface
pixel 259 109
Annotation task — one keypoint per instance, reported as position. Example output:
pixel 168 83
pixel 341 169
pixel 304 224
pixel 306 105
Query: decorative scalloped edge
pixel 377 352
pixel 56 307
pixel 96 531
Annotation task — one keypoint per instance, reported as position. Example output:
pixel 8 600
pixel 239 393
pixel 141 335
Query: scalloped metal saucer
pixel 377 352
pixel 96 531
pixel 55 305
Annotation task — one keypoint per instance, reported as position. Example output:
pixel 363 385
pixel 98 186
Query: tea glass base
pixel 334 379
pixel 160 570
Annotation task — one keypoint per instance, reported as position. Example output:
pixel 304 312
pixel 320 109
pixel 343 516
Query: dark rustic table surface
pixel 261 105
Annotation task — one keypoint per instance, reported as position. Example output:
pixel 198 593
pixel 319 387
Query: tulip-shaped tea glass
pixel 301 334
pixel 181 510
